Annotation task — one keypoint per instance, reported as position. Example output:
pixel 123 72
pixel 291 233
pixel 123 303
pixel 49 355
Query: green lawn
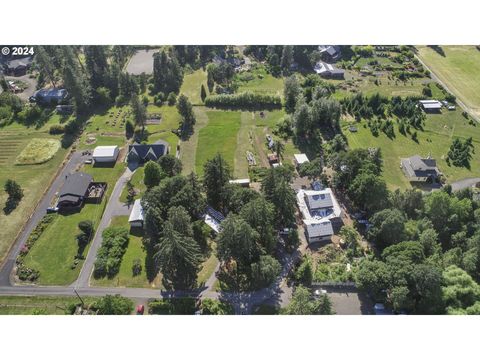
pixel 435 140
pixel 192 84
pixel 208 266
pixel 163 131
pixel 38 151
pixel 137 181
pixel 33 179
pixel 107 128
pixel 258 80
pixel 53 253
pixel 459 69
pixel 219 136
pixel 45 305
pixel 135 250
pixel 188 148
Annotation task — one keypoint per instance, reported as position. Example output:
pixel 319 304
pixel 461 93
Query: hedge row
pixel 110 254
pixel 245 100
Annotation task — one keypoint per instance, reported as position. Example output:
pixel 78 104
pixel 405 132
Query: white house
pixel 300 159
pixel 319 209
pixel 136 215
pixel 105 154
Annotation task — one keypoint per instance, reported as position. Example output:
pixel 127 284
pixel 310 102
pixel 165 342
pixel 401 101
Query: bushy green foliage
pixel 216 307
pixel 113 305
pixel 110 254
pixel 245 100
pixel 172 306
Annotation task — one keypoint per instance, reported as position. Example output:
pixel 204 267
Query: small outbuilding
pixel 431 105
pixel 104 154
pixel 242 182
pixel 300 159
pixel 136 215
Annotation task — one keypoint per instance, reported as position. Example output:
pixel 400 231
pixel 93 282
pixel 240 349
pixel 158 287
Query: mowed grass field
pixel 34 179
pixel 218 136
pixel 54 252
pixel 459 69
pixel 435 140
pixel 192 84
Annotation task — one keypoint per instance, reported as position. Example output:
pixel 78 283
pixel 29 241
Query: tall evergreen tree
pixel 216 176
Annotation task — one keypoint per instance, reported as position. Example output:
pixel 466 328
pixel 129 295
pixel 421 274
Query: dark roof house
pixel 18 67
pixel 50 96
pixel 418 169
pixel 74 190
pixel 140 153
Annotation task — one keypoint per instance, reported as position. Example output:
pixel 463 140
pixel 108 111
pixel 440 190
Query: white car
pixel 320 292
pixel 88 161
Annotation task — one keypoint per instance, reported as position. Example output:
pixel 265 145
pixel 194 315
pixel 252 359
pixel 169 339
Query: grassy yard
pixel 163 131
pixel 208 266
pixel 188 148
pixel 435 140
pixel 45 305
pixel 54 252
pixel 192 84
pixel 137 182
pixel 219 136
pixel 135 250
pixel 107 128
pixel 33 179
pixel 459 69
pixel 258 80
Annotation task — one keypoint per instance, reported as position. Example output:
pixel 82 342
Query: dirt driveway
pixel 30 90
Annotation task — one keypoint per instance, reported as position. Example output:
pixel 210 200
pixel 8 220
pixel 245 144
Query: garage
pixel 105 154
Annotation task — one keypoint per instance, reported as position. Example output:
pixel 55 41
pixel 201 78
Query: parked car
pixel 88 161
pixel 140 309
pixel 52 209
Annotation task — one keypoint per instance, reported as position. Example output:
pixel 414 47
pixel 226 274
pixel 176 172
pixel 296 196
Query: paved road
pixel 464 183
pixel 114 208
pixel 75 160
pixel 459 102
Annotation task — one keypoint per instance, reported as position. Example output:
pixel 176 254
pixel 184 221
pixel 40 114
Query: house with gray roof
pixel 141 153
pixel 328 71
pixel 330 53
pixel 418 169
pixel 74 190
pixel 51 96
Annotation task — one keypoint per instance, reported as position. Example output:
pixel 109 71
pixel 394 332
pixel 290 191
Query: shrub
pixel 171 99
pixel 113 305
pixel 173 306
pixel 245 100
pixel 56 129
pixel 109 256
pixel 136 267
pixel 216 307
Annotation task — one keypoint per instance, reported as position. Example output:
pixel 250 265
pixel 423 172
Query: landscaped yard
pixel 33 179
pixel 435 140
pixel 459 69
pixel 219 136
pixel 135 251
pixel 54 252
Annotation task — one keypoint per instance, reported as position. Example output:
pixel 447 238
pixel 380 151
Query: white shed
pixel 300 159
pixel 136 216
pixel 105 153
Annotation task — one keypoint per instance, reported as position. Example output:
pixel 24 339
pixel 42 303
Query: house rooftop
pixel 76 184
pixel 317 228
pixel 430 104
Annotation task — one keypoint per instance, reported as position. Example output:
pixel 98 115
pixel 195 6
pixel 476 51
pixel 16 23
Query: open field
pixel 219 136
pixel 435 140
pixel 135 250
pixel 43 305
pixel 54 252
pixel 258 80
pixel 33 179
pixel 459 69
pixel 38 151
pixel 192 84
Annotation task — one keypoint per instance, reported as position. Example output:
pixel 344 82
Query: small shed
pixel 241 182
pixel 300 159
pixel 103 154
pixel 136 215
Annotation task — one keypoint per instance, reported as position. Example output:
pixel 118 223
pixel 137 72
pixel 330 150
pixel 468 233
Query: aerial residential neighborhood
pixel 240 179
